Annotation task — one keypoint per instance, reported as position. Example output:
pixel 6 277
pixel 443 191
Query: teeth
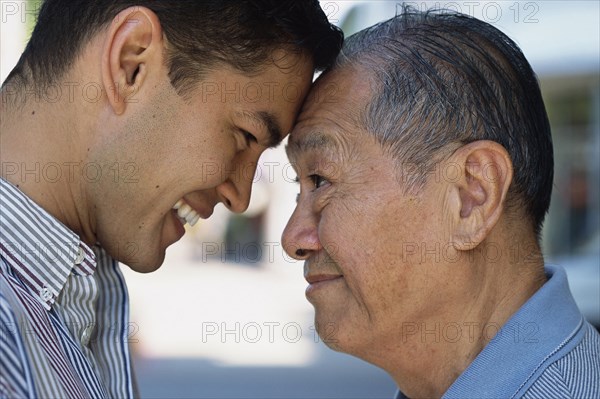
pixel 185 213
pixel 194 220
pixel 184 210
pixel 178 204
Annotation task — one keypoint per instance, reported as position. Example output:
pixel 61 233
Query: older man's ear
pixel 477 196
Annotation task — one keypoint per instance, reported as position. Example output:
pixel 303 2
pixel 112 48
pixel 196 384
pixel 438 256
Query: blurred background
pixel 226 317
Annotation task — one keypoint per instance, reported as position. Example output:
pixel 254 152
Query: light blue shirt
pixel 545 350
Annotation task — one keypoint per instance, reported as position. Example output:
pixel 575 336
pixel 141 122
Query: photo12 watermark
pixel 265 332
pixel 90 332
pixel 69 172
pixel 526 12
pixel 453 332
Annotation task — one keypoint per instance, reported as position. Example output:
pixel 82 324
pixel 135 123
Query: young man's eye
pixel 249 137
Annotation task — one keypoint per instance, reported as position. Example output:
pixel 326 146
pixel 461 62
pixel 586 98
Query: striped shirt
pixel 545 350
pixel 63 309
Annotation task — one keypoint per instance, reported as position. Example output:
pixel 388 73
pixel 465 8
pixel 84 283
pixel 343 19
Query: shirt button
pixel 80 256
pixel 85 335
pixel 45 294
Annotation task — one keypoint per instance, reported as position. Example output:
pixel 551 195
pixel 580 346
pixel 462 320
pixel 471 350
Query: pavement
pixel 335 376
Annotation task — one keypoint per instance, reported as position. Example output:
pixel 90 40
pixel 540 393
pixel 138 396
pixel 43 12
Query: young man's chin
pixel 143 258
pixel 147 266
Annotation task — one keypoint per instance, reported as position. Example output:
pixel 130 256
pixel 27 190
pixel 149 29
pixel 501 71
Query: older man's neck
pixel 493 292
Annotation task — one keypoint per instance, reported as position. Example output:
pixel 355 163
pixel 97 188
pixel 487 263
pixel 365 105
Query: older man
pixel 122 122
pixel 425 165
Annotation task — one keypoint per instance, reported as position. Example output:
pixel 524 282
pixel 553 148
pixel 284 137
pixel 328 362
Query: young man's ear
pixel 134 43
pixel 478 194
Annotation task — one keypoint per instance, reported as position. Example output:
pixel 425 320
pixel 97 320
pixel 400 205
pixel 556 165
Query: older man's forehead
pixel 330 134
pixel 331 113
pixel 347 85
pixel 325 142
pixel 309 141
pixel 312 140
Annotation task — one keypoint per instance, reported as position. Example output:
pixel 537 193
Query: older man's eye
pixel 317 180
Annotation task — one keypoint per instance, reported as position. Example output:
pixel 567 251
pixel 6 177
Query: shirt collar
pixel 543 325
pixel 38 247
pixel 547 322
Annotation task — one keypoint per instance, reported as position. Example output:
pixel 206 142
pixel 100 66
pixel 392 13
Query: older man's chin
pixel 328 332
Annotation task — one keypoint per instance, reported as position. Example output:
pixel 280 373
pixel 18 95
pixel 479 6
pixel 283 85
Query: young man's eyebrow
pixel 267 121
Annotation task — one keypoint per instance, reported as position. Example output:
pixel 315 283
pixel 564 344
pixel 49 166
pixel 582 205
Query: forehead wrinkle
pixel 315 141
pixel 327 128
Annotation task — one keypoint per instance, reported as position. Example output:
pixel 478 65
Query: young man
pixel 122 121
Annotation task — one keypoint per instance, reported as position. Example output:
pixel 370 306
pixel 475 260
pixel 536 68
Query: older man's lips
pixel 321 281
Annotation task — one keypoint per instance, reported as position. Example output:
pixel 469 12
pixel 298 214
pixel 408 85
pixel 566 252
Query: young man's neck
pixel 41 153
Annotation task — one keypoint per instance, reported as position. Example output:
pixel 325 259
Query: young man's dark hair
pixel 200 34
pixel 184 97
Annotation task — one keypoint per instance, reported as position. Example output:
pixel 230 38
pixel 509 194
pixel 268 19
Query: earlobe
pixel 134 43
pixel 480 192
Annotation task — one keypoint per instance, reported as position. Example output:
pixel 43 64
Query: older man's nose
pixel 300 238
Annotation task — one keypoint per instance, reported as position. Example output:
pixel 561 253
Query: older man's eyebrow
pixel 310 142
pixel 267 121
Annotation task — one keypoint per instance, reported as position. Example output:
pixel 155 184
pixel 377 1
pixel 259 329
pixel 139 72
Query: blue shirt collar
pixel 545 324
